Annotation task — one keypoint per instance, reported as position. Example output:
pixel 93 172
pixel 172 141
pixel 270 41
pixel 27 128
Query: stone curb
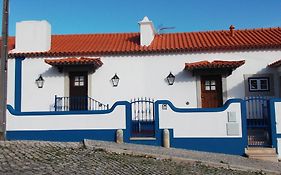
pixel 91 144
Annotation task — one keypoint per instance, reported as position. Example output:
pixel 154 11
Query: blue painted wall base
pixel 63 135
pixel 216 145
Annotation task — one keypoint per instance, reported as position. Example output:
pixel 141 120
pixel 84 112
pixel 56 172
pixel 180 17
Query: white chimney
pixel 147 31
pixel 33 36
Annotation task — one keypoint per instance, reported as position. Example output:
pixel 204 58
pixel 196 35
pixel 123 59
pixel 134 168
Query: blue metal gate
pixel 143 120
pixel 258 121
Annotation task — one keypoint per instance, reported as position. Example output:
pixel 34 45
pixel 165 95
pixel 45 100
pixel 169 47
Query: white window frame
pixel 79 81
pixel 258 80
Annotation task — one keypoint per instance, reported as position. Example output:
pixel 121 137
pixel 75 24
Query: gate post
pixel 166 138
pixel 119 136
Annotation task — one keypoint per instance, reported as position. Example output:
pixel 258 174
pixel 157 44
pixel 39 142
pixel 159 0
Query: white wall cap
pixel 34 21
pixel 33 36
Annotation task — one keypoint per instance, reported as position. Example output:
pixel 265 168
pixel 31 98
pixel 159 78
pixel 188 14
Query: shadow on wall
pixel 238 91
pixel 184 76
pixel 52 107
pixel 52 72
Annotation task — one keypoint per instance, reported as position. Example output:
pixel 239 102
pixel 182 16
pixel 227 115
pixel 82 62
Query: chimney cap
pixel 231 30
pixel 145 20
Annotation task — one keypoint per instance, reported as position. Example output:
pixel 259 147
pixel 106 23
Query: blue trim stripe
pixel 128 105
pixel 51 113
pixel 182 110
pixel 18 83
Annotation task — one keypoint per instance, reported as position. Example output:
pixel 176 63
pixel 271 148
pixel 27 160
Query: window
pixel 79 81
pixel 258 84
pixel 210 85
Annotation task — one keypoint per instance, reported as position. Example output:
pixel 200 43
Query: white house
pixel 202 86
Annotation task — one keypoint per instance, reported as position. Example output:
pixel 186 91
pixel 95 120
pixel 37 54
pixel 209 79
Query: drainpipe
pixel 3 70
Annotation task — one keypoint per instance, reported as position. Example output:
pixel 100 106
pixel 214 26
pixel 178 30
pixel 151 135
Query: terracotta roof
pixel 128 43
pixel 275 64
pixel 11 43
pixel 217 64
pixel 74 61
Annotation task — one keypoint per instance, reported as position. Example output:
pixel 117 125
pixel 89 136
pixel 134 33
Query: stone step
pixel 262 153
pixel 265 157
pixel 260 150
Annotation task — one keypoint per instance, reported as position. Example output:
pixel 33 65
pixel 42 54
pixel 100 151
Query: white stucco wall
pixel 200 124
pixel 140 76
pixel 114 120
pixel 40 99
pixel 144 76
pixel 277 106
pixel 11 82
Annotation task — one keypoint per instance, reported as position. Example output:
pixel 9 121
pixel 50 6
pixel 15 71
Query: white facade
pixel 278 118
pixel 140 76
pixel 277 106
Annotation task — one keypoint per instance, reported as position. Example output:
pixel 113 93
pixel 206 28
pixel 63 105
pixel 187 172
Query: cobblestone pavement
pixel 23 157
pixel 217 160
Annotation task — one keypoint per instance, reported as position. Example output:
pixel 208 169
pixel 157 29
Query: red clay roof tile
pixel 122 43
pixel 275 64
pixel 74 61
pixel 214 65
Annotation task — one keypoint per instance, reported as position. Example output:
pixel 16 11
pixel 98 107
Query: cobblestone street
pixel 72 158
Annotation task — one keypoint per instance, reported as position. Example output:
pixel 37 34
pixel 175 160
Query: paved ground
pixel 217 160
pixel 23 157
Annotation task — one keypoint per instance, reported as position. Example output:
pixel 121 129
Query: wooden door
pixel 211 91
pixel 78 90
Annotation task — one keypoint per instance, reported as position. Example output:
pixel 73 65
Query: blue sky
pixel 111 16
